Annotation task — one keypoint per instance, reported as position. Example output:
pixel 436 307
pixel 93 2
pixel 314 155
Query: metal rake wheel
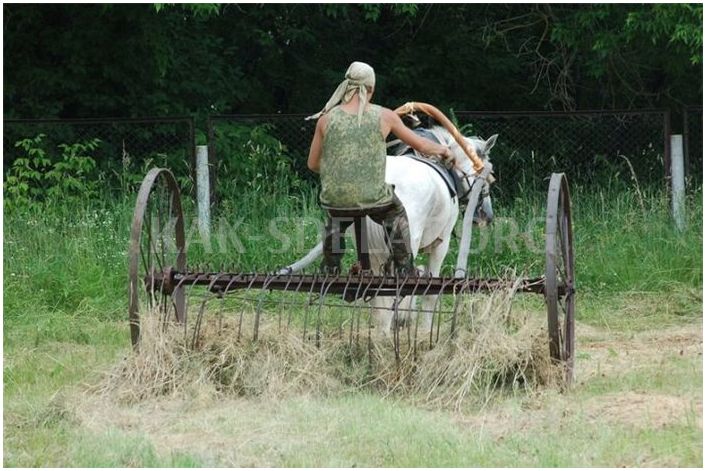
pixel 559 288
pixel 157 244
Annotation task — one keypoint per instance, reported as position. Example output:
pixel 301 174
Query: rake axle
pixel 351 287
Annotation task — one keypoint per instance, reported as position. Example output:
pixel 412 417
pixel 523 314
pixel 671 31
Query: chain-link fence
pixel 593 148
pixel 129 145
pixel 693 145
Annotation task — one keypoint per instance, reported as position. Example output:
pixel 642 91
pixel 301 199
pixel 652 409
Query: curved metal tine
pixel 180 288
pixel 367 298
pixel 408 323
pixel 355 312
pixel 437 308
pixel 281 302
pixel 242 310
pixel 197 325
pixel 383 280
pixel 322 295
pixel 223 300
pixel 428 277
pixel 199 318
pixel 340 311
pixel 298 289
pixel 186 323
pixel 308 305
pixel 269 278
pixel 396 316
pixel 163 304
pixel 458 294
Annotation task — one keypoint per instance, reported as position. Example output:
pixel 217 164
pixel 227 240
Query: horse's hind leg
pixel 433 268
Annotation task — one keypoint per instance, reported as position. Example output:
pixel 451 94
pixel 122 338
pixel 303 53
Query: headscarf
pixel 359 77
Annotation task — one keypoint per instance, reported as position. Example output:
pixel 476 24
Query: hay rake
pixel 161 284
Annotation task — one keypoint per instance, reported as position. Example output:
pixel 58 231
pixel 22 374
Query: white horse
pixel 432 214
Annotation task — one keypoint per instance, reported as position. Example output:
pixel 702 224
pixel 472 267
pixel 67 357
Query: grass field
pixel 637 399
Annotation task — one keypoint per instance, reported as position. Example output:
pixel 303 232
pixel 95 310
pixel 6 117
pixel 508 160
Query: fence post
pixel 667 147
pixel 202 192
pixel 685 145
pixel 212 158
pixel 677 180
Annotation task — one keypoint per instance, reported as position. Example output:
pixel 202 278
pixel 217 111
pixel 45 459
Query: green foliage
pixel 679 24
pixel 25 179
pixel 198 9
pixel 71 176
pixel 36 178
pixel 263 58
pixel 250 158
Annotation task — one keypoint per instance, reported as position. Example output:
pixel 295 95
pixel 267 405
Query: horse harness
pixel 448 175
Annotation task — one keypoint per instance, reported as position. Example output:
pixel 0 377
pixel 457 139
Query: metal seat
pixel 357 215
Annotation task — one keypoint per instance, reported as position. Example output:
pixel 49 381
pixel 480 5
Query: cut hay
pixel 496 348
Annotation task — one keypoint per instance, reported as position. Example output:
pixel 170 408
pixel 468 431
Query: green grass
pixel 65 300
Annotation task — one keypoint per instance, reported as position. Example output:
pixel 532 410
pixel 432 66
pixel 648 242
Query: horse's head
pixel 469 177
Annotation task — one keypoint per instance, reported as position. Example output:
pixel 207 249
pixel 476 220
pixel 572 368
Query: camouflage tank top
pixel 353 161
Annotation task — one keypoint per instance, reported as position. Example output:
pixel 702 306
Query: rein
pixel 434 112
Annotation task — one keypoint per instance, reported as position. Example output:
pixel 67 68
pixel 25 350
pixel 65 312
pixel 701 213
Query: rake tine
pixel 408 323
pixel 240 320
pixel 396 319
pixel 428 277
pixel 433 312
pixel 448 281
pixel 458 294
pixel 383 280
pixel 258 310
pixel 363 296
pixel 179 287
pixel 322 296
pixel 281 303
pixel 308 305
pixel 197 326
pixel 231 279
pixel 289 315
pixel 340 311
pixel 186 323
pixel 199 318
pixel 355 313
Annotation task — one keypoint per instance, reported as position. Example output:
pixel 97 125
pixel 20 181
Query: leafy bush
pixel 36 178
pixel 250 157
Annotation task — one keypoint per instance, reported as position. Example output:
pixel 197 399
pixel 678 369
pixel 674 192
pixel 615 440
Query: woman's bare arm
pixel 314 161
pixel 393 123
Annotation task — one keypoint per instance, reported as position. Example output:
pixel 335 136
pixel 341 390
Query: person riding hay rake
pixel 348 151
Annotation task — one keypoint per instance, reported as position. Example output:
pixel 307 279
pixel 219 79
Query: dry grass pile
pixel 496 348
pixel 276 365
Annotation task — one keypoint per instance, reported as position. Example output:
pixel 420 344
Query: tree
pixel 66 60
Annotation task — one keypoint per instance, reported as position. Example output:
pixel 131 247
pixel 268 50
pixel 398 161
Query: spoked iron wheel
pixel 156 243
pixel 559 289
